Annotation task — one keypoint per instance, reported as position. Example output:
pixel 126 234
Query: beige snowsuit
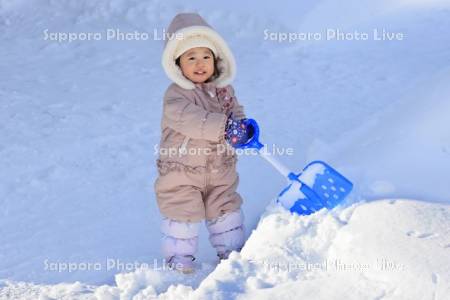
pixel 197 168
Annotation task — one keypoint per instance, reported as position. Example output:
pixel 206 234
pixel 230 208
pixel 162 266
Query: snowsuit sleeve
pixel 238 109
pixel 192 120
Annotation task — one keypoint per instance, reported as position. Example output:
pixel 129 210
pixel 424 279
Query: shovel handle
pixel 262 150
pixel 275 163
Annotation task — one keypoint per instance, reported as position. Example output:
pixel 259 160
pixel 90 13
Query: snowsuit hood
pixel 184 26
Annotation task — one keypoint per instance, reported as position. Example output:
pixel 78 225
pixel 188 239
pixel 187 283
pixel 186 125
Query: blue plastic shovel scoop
pixel 317 186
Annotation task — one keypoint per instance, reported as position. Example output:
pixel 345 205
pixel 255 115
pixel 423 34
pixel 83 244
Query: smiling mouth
pixel 200 73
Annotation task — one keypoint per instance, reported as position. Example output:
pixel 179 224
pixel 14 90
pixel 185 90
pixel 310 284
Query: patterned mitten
pixel 236 132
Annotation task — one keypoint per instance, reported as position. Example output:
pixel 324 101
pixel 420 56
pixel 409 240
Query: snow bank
pixel 395 249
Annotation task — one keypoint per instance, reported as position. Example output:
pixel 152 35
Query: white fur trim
pixel 228 64
pixel 194 42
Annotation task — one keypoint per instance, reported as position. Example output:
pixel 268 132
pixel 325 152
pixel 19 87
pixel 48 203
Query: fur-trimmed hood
pixel 182 27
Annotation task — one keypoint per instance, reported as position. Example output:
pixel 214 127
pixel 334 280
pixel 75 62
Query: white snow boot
pixel 226 233
pixel 179 244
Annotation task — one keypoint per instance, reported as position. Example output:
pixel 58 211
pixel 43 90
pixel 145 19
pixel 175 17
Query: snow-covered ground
pixel 79 122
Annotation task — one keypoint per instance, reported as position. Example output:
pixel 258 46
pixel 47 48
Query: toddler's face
pixel 197 64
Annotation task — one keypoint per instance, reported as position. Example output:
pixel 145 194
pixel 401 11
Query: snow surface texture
pixel 390 249
pixel 79 122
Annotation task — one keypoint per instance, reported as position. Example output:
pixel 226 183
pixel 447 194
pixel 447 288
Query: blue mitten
pixel 237 133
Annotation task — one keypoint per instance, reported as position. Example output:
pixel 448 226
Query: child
pixel 201 119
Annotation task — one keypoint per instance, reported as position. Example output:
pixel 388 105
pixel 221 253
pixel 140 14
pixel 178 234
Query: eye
pixel 191 58
pixel 207 57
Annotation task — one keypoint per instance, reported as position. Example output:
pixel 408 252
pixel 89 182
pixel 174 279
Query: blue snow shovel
pixel 314 188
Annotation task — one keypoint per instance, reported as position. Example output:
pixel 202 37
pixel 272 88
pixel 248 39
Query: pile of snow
pixel 395 249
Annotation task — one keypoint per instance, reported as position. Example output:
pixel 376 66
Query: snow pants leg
pixel 187 196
